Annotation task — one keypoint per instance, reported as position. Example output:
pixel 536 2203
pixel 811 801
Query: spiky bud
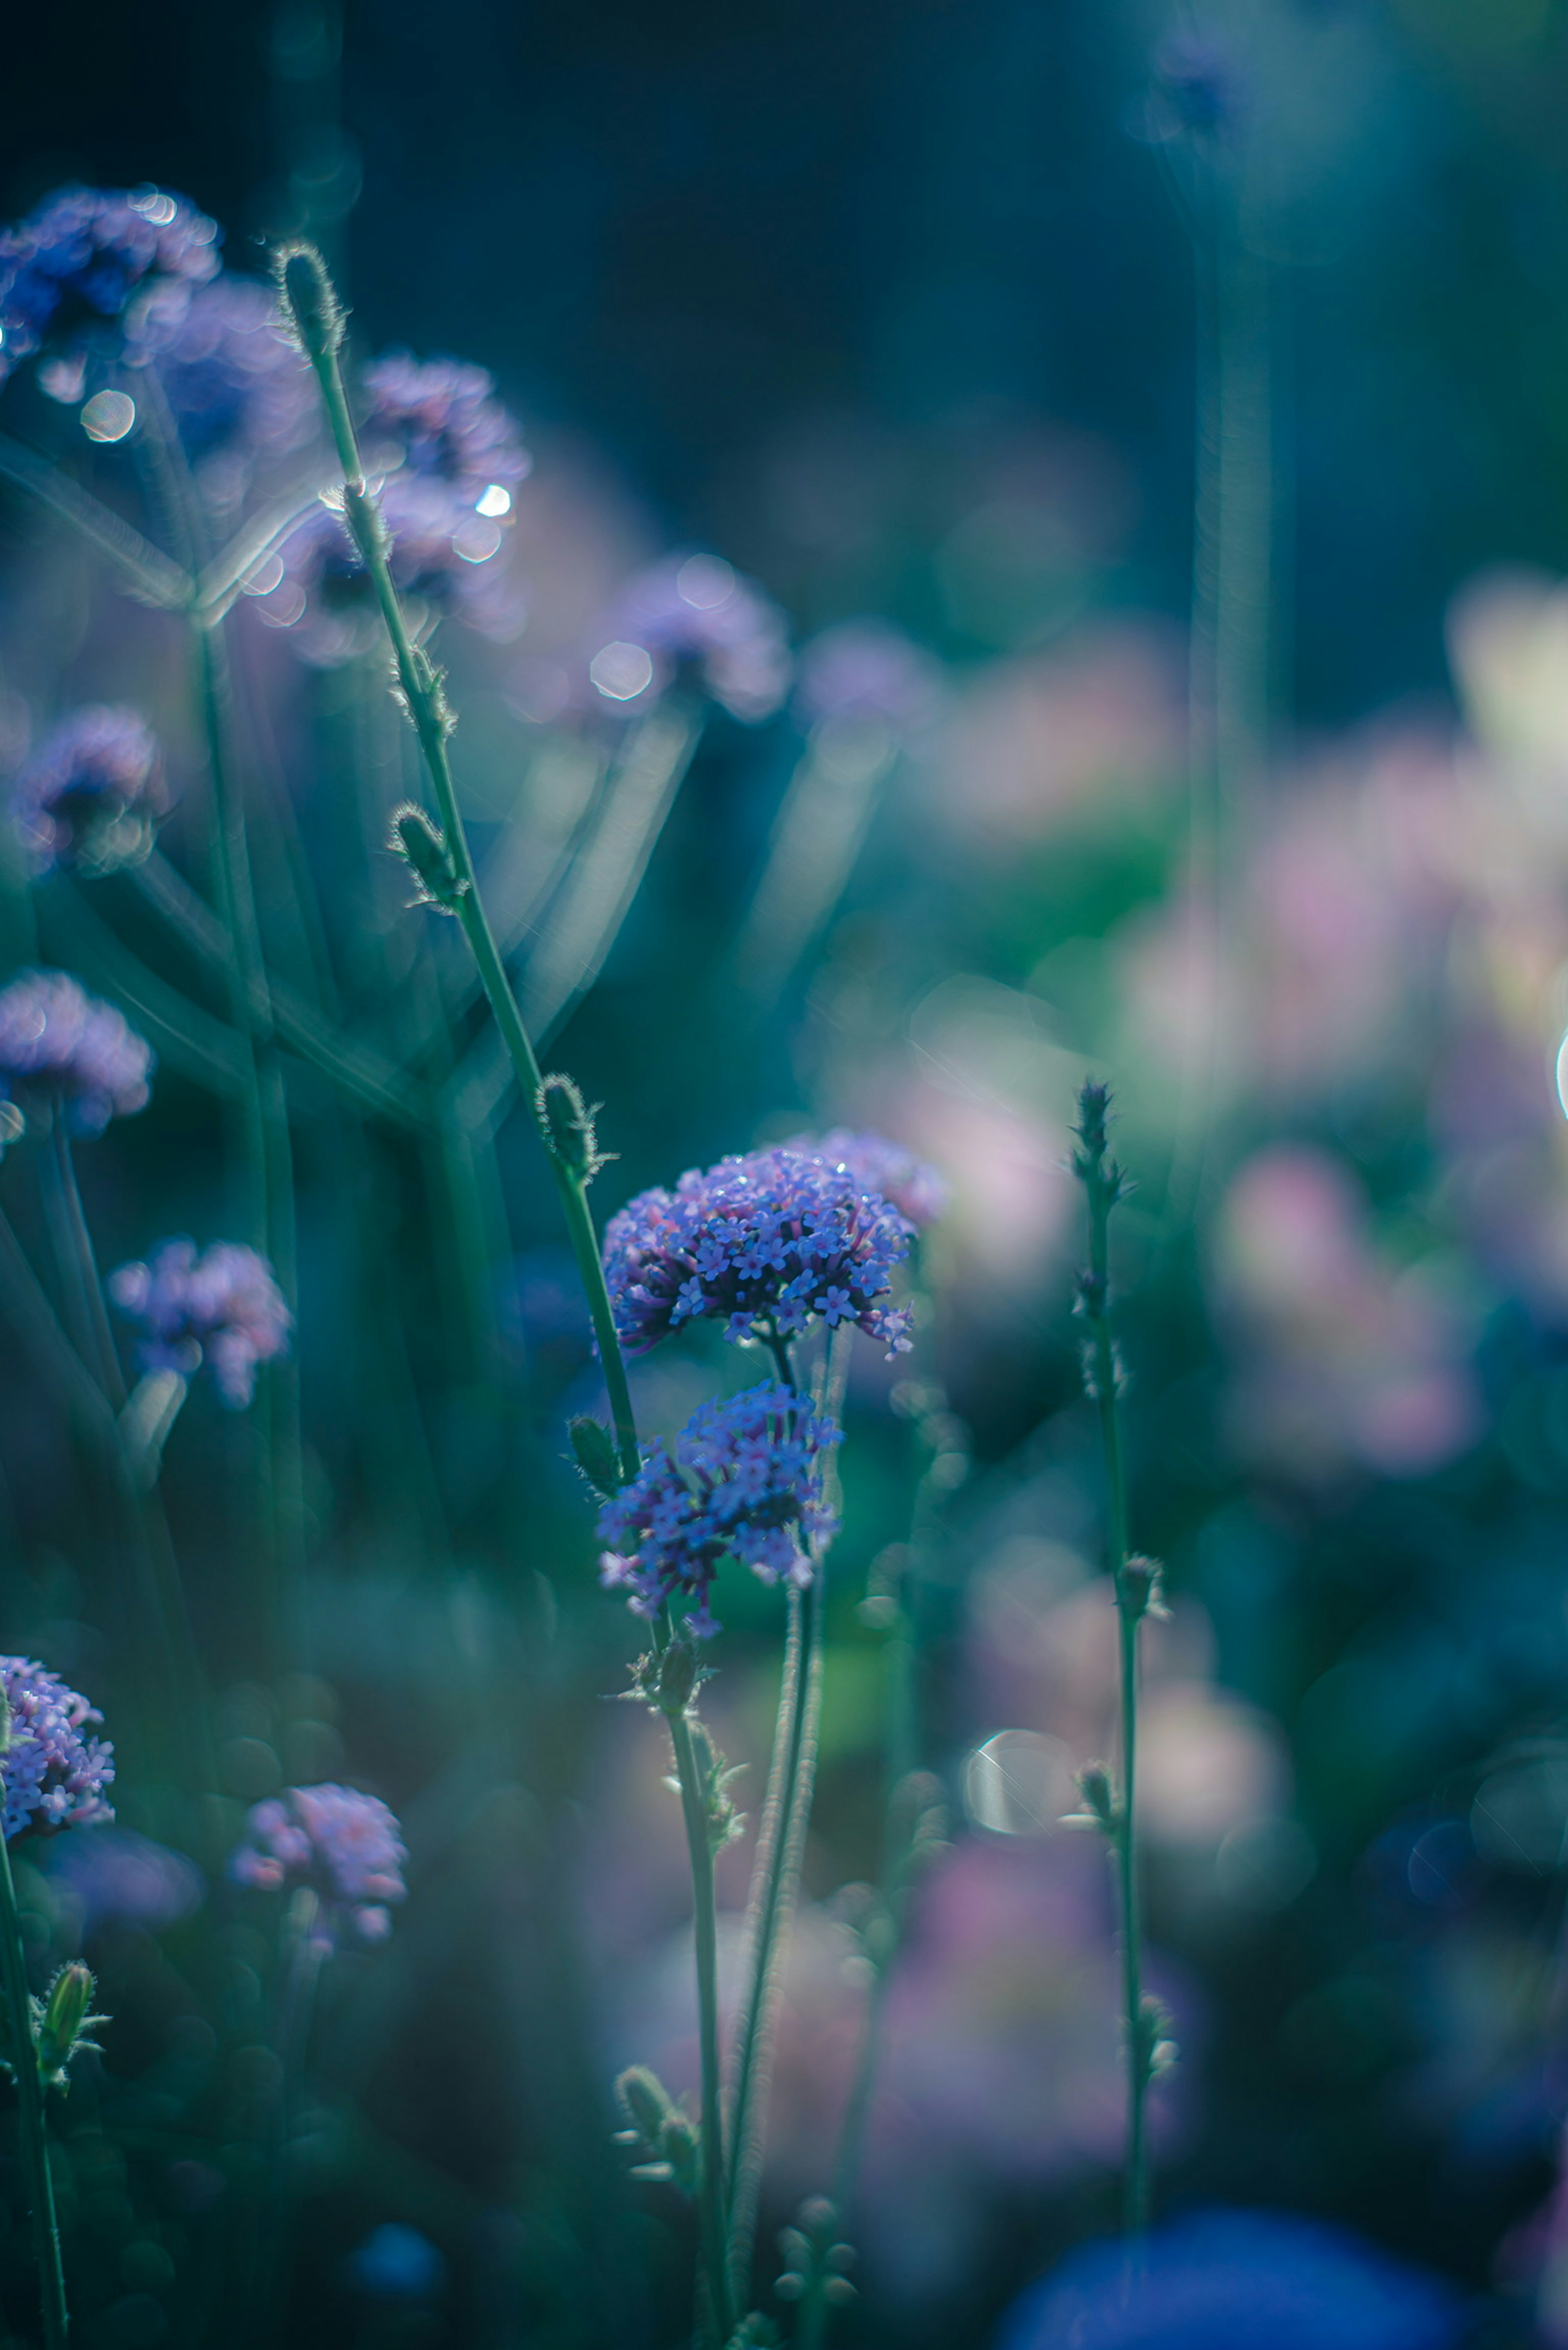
pixel 567 1123
pixel 310 304
pixel 1139 1589
pixel 423 846
pixel 593 1448
pixel 661 2132
pixel 1101 1809
pixel 64 2022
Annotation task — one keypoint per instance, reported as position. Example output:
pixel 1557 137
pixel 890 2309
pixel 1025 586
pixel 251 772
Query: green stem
pixel 30 2112
pixel 76 1264
pixel 1135 2189
pixel 710 2198
pixel 420 684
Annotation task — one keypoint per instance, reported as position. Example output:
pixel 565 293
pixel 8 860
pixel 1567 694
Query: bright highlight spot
pixel 1563 1075
pixel 109 415
pixel 476 541
pixel 621 672
pixel 1020 1783
pixel 495 499
pixel 266 576
pixel 705 581
pixel 154 206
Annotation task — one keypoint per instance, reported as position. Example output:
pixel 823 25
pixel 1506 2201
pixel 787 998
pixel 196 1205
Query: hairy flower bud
pixel 423 846
pixel 1139 1588
pixel 568 1124
pixel 310 304
pixel 594 1450
pixel 64 2021
pixel 662 2132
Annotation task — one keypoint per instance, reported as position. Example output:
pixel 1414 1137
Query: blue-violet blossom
pixel 762 1243
pixel 345 1846
pixel 232 377
pixel 440 417
pixel 693 611
pixel 866 670
pixel 92 793
pixel 885 1168
pixel 221 1306
pixel 743 1481
pixel 82 256
pixel 54 1777
pixel 60 1043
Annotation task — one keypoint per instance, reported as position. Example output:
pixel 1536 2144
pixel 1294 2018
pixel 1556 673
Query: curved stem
pixel 30 2112
pixel 711 2192
pixel 77 1265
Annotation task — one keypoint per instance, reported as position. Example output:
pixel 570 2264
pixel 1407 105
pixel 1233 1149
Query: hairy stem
pixel 710 2193
pixel 33 2134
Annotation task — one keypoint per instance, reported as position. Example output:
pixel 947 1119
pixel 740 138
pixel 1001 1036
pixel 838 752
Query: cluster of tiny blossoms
pixel 58 1042
pixel 343 1845
pixel 745 1481
pixel 92 793
pixel 761 1243
pixel 85 251
pixel 895 1174
pixel 692 611
pixel 232 377
pixel 53 1775
pixel 222 1306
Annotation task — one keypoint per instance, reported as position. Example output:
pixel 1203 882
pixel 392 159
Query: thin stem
pixel 76 1260
pixel 710 2197
pixel 424 698
pixel 30 2113
pixel 1134 2190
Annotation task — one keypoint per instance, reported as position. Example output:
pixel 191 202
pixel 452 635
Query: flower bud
pixel 568 1124
pixel 1139 1588
pixel 594 1450
pixel 1099 1798
pixel 65 2022
pixel 309 301
pixel 423 846
pixel 677 1677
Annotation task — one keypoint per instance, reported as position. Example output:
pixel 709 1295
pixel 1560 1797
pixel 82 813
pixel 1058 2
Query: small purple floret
pixel 760 1243
pixel 887 1169
pixel 866 669
pixel 228 369
pixel 441 419
pixel 54 1777
pixel 344 1845
pixel 85 251
pixel 745 1481
pixel 221 1306
pixel 693 610
pixel 444 554
pixel 57 1041
pixel 92 793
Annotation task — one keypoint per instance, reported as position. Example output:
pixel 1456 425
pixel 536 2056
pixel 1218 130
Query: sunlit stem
pixel 424 696
pixel 694 1807
pixel 35 2144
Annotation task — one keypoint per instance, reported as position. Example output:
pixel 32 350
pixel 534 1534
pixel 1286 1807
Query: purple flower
pixel 760 1243
pixel 1223 2277
pixel 221 1306
pixel 120 1874
pixel 85 251
pixel 53 1776
pixel 92 793
pixel 227 368
pixel 444 557
pixel 895 1174
pixel 441 419
pixel 344 1845
pixel 58 1042
pixel 694 610
pixel 866 669
pixel 745 1481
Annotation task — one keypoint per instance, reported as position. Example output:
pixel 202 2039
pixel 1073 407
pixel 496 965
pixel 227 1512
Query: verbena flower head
pixel 84 252
pixel 441 419
pixel 53 1775
pixel 345 1846
pixel 866 669
pixel 695 611
pixel 60 1045
pixel 884 1168
pixel 1235 2277
pixel 229 371
pixel 446 556
pixel 220 1305
pixel 92 793
pixel 745 1481
pixel 761 1243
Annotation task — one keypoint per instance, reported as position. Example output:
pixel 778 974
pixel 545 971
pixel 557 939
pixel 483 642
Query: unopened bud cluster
pixel 424 850
pixel 567 1122
pixel 310 305
pixel 815 2256
pixel 666 2140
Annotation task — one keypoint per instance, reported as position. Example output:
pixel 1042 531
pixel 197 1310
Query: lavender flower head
pixel 866 669
pixel 82 256
pixel 444 557
pixel 221 1306
pixel 59 1044
pixel 345 1846
pixel 693 610
pixel 92 793
pixel 229 372
pixel 440 417
pixel 54 1777
pixel 745 1481
pixel 884 1168
pixel 761 1243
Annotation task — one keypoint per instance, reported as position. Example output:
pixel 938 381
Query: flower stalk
pixel 32 2131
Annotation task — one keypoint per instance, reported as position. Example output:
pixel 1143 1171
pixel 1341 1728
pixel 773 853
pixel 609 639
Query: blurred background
pixel 1037 555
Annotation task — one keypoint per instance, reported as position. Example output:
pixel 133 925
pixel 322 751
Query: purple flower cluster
pixel 344 1845
pixel 441 419
pixel 230 373
pixel 876 1165
pixel 53 1776
pixel 866 669
pixel 58 1042
pixel 762 1243
pixel 745 1481
pixel 85 251
pixel 444 557
pixel 222 1306
pixel 92 793
pixel 693 610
